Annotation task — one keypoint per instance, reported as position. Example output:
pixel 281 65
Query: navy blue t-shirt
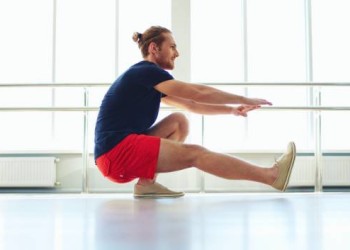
pixel 131 105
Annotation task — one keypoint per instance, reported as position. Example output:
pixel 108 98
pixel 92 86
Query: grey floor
pixel 197 221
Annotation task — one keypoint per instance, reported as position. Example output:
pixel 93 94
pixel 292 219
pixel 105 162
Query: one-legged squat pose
pixel 128 145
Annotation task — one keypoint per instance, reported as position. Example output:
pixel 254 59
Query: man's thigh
pixel 174 156
pixel 174 126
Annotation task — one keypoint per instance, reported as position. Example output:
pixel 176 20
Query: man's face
pixel 167 53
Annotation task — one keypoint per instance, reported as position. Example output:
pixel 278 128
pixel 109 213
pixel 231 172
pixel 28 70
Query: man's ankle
pixel 145 182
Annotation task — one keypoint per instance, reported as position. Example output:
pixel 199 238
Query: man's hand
pixel 256 101
pixel 244 109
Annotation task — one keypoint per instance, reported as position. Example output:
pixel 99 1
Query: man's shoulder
pixel 145 65
pixel 146 69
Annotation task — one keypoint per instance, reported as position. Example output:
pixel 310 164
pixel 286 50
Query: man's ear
pixel 153 48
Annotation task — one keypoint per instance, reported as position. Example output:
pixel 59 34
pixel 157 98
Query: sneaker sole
pixel 157 196
pixel 290 168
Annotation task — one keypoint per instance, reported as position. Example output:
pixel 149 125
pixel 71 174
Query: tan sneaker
pixel 155 190
pixel 285 164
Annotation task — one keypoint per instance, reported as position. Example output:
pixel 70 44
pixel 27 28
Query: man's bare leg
pixel 174 127
pixel 176 156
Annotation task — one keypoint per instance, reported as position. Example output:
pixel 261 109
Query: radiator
pixel 336 171
pixel 27 171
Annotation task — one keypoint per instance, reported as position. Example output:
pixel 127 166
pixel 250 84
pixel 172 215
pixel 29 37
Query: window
pixel 275 48
pixel 85 52
pixel 81 41
pixel 25 49
pixel 26 41
pixel 216 34
pixel 331 57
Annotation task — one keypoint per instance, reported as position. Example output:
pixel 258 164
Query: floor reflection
pixel 194 222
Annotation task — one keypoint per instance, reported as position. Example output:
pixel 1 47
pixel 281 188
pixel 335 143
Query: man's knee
pixel 193 153
pixel 182 124
pixel 180 118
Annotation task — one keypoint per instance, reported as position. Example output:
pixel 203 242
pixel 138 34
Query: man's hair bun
pixel 137 37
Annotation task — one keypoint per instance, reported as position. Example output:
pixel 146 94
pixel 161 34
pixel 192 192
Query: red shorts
pixel 136 156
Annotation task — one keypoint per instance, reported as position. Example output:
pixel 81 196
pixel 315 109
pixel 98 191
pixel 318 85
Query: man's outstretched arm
pixel 207 109
pixel 205 94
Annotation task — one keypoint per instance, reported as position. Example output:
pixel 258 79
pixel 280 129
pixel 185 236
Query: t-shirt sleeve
pixel 154 75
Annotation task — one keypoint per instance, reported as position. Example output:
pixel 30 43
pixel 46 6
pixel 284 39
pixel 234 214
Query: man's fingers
pixel 249 108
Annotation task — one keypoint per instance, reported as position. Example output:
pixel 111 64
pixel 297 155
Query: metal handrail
pixel 53 85
pixel 299 108
pixel 246 84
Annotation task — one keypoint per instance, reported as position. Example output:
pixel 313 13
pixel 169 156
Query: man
pixel 128 145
